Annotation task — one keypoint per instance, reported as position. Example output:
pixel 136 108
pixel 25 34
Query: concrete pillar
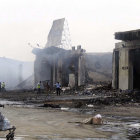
pixel 115 70
pixel 72 80
pixel 124 69
pixel 54 72
pixel 81 71
pixel 73 48
pixel 37 66
pixel 59 71
pixel 79 47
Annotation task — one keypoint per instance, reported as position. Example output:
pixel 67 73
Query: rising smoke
pixel 12 72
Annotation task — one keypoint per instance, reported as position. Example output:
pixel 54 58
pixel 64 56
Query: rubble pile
pixel 95 94
pixel 133 133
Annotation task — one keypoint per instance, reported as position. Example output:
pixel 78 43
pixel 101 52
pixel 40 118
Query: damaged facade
pixel 57 62
pixel 126 61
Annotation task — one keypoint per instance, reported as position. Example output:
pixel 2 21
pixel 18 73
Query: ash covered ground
pixel 47 116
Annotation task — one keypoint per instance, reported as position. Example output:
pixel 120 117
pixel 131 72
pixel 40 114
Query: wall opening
pixel 136 69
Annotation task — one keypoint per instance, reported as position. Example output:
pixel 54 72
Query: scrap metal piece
pixel 11 133
pixel 59 35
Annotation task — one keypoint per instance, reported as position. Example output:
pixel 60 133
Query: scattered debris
pixel 65 109
pixel 1 105
pixel 11 133
pixel 133 133
pixel 90 105
pixel 50 105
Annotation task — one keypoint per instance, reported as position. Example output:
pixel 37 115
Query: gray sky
pixel 92 23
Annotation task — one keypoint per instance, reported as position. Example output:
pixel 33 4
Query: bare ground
pixel 33 123
pixel 46 123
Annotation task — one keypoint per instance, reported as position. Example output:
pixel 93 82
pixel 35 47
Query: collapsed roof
pixel 128 35
pixel 59 35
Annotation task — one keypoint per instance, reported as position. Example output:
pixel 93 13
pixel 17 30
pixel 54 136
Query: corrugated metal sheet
pixel 59 35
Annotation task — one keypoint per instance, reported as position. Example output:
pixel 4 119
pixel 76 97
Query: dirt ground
pixel 40 123
pixel 43 124
pixel 33 123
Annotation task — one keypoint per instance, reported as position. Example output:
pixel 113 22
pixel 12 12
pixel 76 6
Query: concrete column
pixel 54 72
pixel 115 69
pixel 123 69
pixel 81 71
pixel 37 67
pixel 59 71
pixel 72 80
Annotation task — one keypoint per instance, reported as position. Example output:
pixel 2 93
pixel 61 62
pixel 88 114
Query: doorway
pixel 136 69
pixel 134 64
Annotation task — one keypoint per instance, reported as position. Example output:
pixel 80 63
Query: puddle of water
pixel 78 110
pixel 127 128
pixel 5 102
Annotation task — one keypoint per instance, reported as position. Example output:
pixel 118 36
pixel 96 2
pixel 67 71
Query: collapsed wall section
pixel 53 66
pixel 98 67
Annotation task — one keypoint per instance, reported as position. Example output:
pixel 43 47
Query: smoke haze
pixel 12 72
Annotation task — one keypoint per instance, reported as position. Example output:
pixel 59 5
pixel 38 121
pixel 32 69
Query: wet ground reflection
pixel 123 128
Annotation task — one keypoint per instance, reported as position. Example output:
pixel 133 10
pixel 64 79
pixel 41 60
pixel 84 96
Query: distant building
pixel 126 61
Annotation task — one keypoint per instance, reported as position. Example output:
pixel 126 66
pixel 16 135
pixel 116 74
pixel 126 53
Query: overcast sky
pixel 92 23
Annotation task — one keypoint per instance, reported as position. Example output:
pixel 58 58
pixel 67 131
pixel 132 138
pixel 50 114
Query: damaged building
pixel 126 61
pixel 71 66
pixel 54 64
pixel 58 60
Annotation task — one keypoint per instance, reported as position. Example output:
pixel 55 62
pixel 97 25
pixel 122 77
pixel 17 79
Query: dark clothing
pixel 58 91
pixel 38 91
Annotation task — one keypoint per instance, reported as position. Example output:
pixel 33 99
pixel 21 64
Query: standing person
pixel 58 88
pixel 47 87
pixel 39 87
pixel 3 86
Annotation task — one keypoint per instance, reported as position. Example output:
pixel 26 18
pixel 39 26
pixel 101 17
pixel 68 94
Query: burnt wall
pixel 99 66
